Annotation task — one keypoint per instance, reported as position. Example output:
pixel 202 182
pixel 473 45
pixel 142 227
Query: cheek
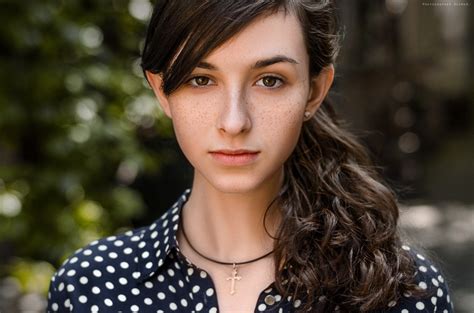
pixel 191 124
pixel 282 122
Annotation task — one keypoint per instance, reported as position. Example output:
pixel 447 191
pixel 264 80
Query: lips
pixel 234 152
pixel 235 157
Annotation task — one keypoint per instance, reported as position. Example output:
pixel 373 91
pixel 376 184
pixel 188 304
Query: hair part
pixel 338 245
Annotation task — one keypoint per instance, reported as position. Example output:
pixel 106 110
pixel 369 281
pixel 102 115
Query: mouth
pixel 235 157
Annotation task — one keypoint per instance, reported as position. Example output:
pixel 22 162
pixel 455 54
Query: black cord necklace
pixel 235 276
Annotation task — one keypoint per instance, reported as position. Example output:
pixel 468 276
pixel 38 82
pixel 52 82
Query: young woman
pixel 286 212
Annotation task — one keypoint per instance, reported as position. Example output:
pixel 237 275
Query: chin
pixel 226 184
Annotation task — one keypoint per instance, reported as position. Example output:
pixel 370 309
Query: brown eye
pixel 271 81
pixel 199 81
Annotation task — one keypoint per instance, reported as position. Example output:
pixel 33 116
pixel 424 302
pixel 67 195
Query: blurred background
pixel 86 152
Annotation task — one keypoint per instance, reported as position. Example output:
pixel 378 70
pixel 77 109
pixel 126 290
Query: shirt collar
pixel 158 239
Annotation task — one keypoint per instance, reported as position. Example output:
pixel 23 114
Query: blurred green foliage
pixel 74 111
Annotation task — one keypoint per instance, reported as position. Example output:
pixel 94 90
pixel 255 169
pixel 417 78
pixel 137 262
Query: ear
pixel 319 87
pixel 156 81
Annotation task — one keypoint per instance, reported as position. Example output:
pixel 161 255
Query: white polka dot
pixel 70 288
pixel 96 290
pixel 102 248
pixel 440 278
pixel 392 303
pixel 71 273
pixel 434 300
pixel 85 264
pixel 136 275
pixel 124 265
pixel 61 285
pixel 435 282
pixel 94 308
pixel 423 268
pixel 122 298
pixel 135 291
pixel 161 278
pixel 148 301
pixel 196 288
pixel 420 305
pixel 161 296
pixel 434 269
pixel 440 292
pixel 83 280
pixel 134 308
pixel 422 285
pixel 110 269
pixel 172 289
pixel 109 285
pixel 127 250
pixel 173 306
pixel 73 260
pixel 118 243
pixel 262 307
pixel 190 271
pixel 108 302
pixel 213 310
pixel 184 302
pixel 149 284
pixel 54 306
pixel 297 303
pixel 419 256
pixel 203 274
pixel 97 273
pixel 170 272
pixel 82 299
pixel 123 281
pixel 404 311
pixel 145 254
pixel 209 292
pixel 405 247
pixel 98 258
pixel 199 306
pixel 113 255
pixel 87 252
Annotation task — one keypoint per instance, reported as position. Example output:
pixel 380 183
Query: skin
pixel 235 107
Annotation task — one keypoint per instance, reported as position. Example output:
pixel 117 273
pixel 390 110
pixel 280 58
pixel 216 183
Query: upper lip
pixel 230 151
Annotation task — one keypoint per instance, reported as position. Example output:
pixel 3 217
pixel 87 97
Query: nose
pixel 235 116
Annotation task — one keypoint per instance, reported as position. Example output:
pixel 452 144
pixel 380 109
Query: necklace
pixel 235 275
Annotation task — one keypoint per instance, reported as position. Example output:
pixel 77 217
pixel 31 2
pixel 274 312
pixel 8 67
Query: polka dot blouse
pixel 143 270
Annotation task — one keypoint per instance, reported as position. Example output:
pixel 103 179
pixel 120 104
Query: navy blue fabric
pixel 143 270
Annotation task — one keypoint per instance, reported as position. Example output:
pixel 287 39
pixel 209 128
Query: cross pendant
pixel 233 279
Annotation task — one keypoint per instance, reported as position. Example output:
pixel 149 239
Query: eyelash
pixel 281 80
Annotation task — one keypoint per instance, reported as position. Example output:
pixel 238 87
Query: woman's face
pixel 238 98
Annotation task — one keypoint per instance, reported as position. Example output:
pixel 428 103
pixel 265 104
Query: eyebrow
pixel 257 65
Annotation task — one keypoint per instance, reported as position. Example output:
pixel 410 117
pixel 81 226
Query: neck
pixel 228 226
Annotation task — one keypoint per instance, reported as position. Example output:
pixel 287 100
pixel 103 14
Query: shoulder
pixel 102 264
pixel 96 273
pixel 428 276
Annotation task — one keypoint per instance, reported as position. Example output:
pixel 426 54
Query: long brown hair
pixel 338 240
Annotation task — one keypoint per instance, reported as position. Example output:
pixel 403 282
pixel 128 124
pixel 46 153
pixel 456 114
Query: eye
pixel 197 81
pixel 271 81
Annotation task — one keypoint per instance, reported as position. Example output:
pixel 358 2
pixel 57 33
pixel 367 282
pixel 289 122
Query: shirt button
pixel 269 299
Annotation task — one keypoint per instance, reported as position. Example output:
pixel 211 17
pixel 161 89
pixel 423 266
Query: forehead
pixel 266 36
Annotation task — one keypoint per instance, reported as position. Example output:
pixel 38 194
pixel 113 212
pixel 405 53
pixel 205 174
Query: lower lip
pixel 235 159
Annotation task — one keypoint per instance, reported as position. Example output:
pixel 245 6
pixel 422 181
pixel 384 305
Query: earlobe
pixel 319 88
pixel 156 81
